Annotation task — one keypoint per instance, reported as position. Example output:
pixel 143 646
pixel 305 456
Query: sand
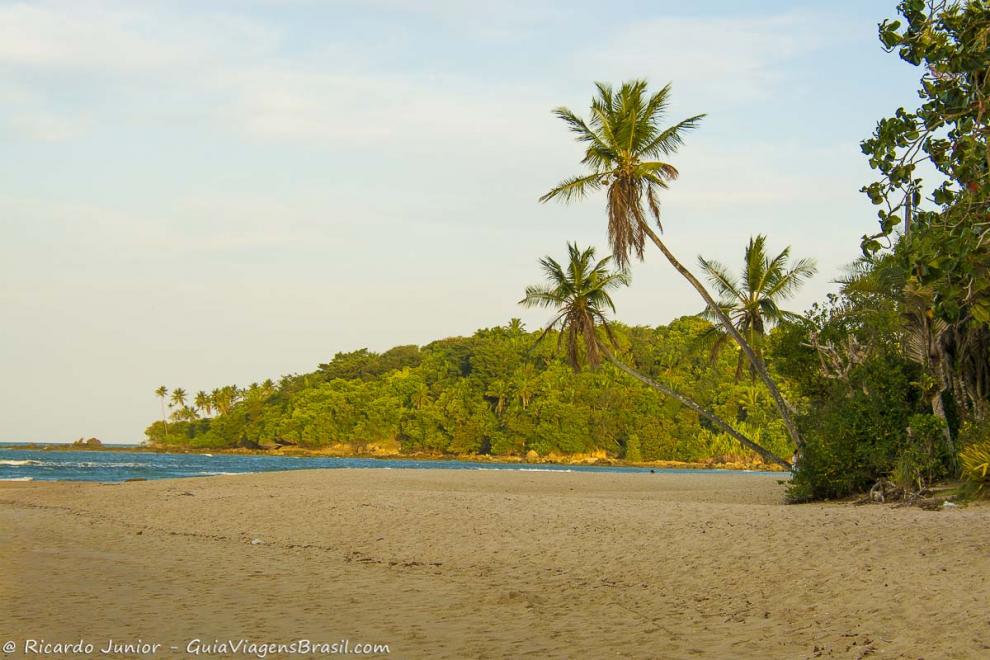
pixel 493 564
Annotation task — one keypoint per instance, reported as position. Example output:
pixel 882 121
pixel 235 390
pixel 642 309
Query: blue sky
pixel 196 194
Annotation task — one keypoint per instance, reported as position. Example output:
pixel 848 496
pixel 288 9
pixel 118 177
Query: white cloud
pixel 709 59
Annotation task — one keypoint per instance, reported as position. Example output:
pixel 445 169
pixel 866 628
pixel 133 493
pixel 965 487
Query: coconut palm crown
pixel 580 296
pixel 624 145
pixel 752 300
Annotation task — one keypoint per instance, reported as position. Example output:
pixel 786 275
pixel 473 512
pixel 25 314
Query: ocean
pixel 114 466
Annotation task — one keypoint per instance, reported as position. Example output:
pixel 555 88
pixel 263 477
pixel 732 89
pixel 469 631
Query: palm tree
pixel 178 398
pixel 224 398
pixel 624 144
pixel 580 297
pixel 161 393
pixel 516 326
pixel 203 402
pixel 525 384
pixel 420 396
pixel 501 391
pixel 752 300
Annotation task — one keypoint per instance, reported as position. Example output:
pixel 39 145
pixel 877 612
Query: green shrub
pixel 925 458
pixel 856 432
pixel 975 456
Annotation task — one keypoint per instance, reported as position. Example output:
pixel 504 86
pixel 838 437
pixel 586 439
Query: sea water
pixel 111 466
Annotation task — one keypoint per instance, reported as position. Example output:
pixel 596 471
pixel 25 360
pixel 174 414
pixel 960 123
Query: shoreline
pixel 576 460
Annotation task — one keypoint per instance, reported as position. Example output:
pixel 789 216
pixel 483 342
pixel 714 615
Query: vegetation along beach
pixel 642 335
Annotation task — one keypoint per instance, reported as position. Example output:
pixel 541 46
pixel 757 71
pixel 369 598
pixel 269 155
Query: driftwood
pixel 887 492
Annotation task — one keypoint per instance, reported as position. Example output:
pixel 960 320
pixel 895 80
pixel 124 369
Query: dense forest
pixel 883 387
pixel 497 392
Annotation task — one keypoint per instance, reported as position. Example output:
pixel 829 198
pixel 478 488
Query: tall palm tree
pixel 580 298
pixel 624 147
pixel 752 300
pixel 161 393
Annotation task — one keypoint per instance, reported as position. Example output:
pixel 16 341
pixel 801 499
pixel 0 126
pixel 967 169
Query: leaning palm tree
pixel 625 145
pixel 161 393
pixel 752 301
pixel 580 296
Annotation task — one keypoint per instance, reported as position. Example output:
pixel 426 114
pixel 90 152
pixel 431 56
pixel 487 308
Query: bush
pixel 975 456
pixel 925 458
pixel 856 433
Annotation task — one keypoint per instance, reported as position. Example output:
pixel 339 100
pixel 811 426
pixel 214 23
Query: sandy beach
pixel 493 564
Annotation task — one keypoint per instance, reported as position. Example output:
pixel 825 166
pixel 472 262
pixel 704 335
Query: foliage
pixel 867 416
pixel 903 353
pixel 623 140
pixel 579 297
pixel 491 393
pixel 855 433
pixel 944 252
pixel 949 130
pixel 752 300
pixel 975 456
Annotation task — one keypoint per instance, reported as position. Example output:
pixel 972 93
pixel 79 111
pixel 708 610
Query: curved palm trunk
pixel 710 416
pixel 761 368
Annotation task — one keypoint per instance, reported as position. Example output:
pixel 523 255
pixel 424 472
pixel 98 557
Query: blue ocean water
pixel 111 466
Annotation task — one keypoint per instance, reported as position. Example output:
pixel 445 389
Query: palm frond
pixel 670 139
pixel 575 187
pixel 725 284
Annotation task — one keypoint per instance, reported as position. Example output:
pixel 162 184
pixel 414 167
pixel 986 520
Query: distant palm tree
pixel 501 391
pixel 203 402
pixel 421 396
pixel 525 382
pixel 752 300
pixel 178 397
pixel 161 393
pixel 516 326
pixel 224 398
pixel 580 298
pixel 624 142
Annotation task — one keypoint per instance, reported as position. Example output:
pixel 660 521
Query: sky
pixel 199 193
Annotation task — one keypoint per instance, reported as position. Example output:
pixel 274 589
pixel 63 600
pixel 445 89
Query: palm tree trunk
pixel 710 416
pixel 164 421
pixel 761 368
pixel 938 403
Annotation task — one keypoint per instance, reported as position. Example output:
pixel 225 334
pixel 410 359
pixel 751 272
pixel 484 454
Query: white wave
pixel 522 469
pixel 18 463
pixel 221 474
pixel 16 479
